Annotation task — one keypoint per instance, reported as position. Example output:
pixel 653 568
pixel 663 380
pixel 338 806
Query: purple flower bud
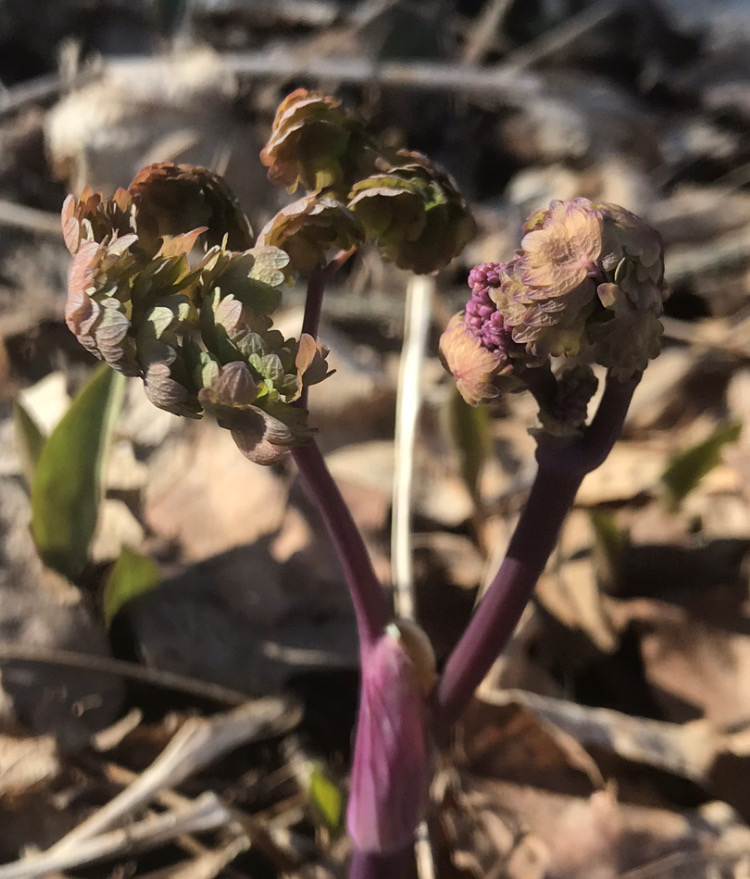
pixel 482 317
pixel 588 283
pixel 392 765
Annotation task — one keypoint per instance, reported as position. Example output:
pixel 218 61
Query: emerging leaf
pixel 469 431
pixel 66 491
pixel 688 468
pixel 173 199
pixel 29 438
pixel 325 797
pixel 480 374
pixel 192 325
pixel 132 575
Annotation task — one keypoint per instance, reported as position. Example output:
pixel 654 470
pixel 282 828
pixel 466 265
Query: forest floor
pixel 612 738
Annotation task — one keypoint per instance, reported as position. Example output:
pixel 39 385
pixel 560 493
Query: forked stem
pixel 562 466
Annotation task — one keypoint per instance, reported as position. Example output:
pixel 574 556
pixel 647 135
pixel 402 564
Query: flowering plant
pixel 168 283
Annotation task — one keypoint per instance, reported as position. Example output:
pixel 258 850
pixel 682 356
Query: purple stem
pixel 562 466
pixel 370 606
pixel 369 865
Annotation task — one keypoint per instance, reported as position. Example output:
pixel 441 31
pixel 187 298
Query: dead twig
pixel 205 865
pixel 686 750
pixel 513 86
pixel 167 680
pixel 19 216
pixel 197 743
pixel 205 813
pixel 482 35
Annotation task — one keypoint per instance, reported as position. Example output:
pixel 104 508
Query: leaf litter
pixel 613 737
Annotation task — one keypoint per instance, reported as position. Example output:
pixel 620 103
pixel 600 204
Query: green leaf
pixel 469 431
pixel 610 545
pixel 132 575
pixel 688 468
pixel 67 487
pixel 30 440
pixel 325 797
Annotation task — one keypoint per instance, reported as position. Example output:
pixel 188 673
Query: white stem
pixel 419 293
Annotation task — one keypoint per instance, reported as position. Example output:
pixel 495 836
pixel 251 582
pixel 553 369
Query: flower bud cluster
pixel 400 201
pixel 197 329
pixel 587 283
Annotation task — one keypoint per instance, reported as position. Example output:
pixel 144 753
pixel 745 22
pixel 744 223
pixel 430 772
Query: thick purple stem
pixel 370 605
pixel 562 466
pixel 368 865
pixel 500 610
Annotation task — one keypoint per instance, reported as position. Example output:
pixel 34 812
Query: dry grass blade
pixel 206 865
pixel 205 813
pixel 197 743
pixel 19 216
pixel 16 97
pixel 267 833
pixel 120 668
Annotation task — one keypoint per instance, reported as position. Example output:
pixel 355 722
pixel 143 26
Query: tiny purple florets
pixel 481 318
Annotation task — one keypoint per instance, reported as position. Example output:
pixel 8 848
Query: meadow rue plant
pixel 167 283
pixel 198 331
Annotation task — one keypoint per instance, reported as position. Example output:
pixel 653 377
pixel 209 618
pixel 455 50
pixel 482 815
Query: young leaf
pixel 688 468
pixel 30 440
pixel 132 575
pixel 325 797
pixel 66 491
pixel 610 545
pixel 469 431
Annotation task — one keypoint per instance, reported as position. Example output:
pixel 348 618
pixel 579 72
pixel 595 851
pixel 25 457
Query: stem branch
pixel 368 598
pixel 562 465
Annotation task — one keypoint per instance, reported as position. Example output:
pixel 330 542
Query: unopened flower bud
pixel 311 230
pixel 413 212
pixel 314 141
pixel 587 283
pixel 575 388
